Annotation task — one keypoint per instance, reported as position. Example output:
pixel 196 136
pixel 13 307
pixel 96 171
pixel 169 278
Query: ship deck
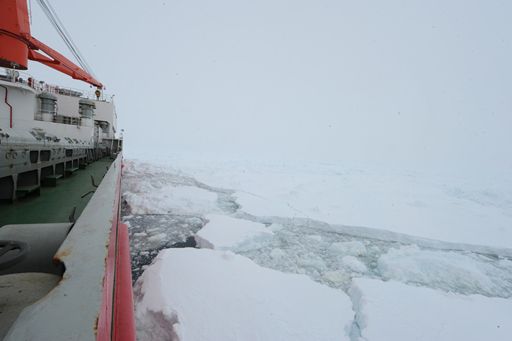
pixel 55 204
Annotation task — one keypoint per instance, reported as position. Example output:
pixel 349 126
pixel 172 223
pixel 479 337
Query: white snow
pixel 312 219
pixel 148 189
pixel 172 199
pixel 277 254
pixel 226 233
pixel 354 248
pixel 314 238
pixel 395 311
pixel 436 206
pixel 156 237
pixel 414 204
pixel 450 271
pixel 203 294
pixel 354 264
pixel 337 277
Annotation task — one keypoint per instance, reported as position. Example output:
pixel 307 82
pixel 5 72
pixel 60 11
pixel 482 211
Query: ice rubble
pixel 224 233
pixel 149 189
pixel 353 248
pixel 449 271
pixel 312 247
pixel 334 259
pixel 396 311
pixel 151 233
pixel 354 264
pixel 172 199
pixel 438 207
pixel 203 294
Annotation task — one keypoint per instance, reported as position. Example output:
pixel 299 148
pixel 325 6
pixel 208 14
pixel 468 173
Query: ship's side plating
pixel 93 300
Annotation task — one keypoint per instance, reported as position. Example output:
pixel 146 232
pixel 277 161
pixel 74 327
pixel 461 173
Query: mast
pixel 17 45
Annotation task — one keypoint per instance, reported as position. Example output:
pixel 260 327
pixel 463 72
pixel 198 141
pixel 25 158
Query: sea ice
pixel 353 248
pixel 149 190
pixel 354 264
pixel 203 294
pixel 314 238
pixel 396 311
pixel 151 233
pixel 447 270
pixel 157 237
pixel 313 213
pixel 172 199
pixel 337 277
pixel 226 233
pixel 277 254
pixel 441 207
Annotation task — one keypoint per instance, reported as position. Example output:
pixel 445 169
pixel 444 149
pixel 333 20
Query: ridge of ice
pixel 447 270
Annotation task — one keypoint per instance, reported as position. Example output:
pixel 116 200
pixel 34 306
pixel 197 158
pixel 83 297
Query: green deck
pixel 55 204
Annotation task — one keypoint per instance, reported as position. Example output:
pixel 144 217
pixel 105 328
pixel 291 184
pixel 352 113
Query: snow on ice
pixel 396 311
pixel 441 207
pixel 150 190
pixel 225 233
pixel 172 199
pixel 354 264
pixel 203 294
pixel 449 271
pixel 303 220
pixel 353 248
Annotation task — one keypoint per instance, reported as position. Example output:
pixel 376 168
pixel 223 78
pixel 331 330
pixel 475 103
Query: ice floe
pixel 293 222
pixel 203 294
pixel 226 233
pixel 441 207
pixel 150 190
pixel 172 199
pixel 396 311
pixel 450 271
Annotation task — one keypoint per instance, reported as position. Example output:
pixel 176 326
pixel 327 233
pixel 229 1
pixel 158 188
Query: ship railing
pixel 70 120
pixel 26 79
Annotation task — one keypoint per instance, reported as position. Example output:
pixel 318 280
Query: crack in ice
pixel 331 254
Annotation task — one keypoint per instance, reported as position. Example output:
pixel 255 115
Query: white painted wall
pixel 25 104
pixel 4 110
pixel 67 105
pixel 105 111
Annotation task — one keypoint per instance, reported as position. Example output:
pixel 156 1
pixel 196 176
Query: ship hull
pixel 93 299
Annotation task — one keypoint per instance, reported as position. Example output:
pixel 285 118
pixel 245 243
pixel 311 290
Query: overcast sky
pixel 409 83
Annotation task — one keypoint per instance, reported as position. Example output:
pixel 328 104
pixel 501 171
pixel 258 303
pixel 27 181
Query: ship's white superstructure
pixel 46 131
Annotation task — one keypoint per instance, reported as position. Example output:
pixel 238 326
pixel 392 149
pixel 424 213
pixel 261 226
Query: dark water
pixel 150 233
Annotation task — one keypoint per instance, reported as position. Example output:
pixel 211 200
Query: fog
pixel 413 84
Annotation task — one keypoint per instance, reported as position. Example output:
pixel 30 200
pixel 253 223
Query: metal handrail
pixel 27 79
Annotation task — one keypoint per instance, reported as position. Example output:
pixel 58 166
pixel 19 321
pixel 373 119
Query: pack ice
pixel 284 256
pixel 395 311
pixel 224 233
pixel 202 294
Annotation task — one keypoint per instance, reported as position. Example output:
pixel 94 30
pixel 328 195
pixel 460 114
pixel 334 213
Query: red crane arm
pixel 17 44
pixel 58 62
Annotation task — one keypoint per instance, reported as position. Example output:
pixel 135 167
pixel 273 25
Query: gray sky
pixel 408 83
